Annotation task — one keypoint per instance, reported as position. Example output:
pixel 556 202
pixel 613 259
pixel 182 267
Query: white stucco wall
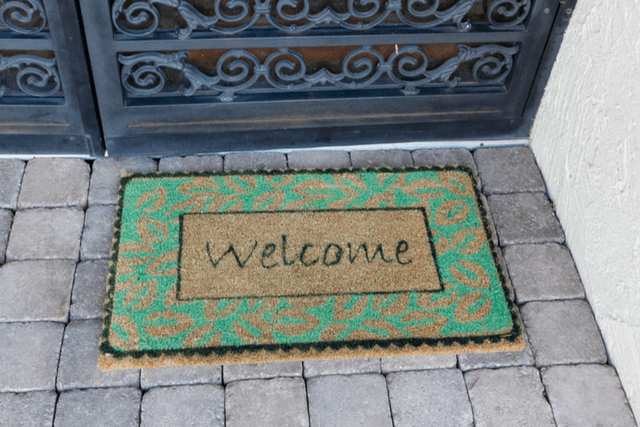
pixel 586 138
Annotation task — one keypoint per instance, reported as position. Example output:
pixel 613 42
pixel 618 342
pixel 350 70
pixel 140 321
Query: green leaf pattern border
pixel 502 327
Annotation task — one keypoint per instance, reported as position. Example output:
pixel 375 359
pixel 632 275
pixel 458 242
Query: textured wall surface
pixel 586 138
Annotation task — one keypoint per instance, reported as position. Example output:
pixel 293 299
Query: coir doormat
pixel 249 267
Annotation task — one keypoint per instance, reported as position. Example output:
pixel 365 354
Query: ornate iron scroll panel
pixel 25 17
pixel 276 83
pixel 286 70
pixel 504 14
pixel 46 105
pixel 141 18
pixel 36 76
pixel 28 74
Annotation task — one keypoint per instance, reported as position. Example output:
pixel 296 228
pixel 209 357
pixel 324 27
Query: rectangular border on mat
pixel 440 287
pixel 510 339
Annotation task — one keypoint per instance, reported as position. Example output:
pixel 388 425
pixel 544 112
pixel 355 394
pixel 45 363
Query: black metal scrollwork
pixel 508 13
pixel 141 18
pixel 18 14
pixel 142 14
pixel 286 70
pixel 36 76
pixel 149 79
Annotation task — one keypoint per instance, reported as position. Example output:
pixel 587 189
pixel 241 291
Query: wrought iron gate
pixel 195 76
pixel 46 104
pixel 188 76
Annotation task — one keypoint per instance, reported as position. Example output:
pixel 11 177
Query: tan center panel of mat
pixel 267 254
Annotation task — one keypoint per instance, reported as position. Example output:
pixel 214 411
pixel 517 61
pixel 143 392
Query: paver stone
pixel 543 272
pixel 29 356
pixel 381 158
pixel 278 402
pixel 193 406
pixel 445 157
pixel 79 360
pixel 562 332
pixel 319 159
pixel 180 375
pixel 247 371
pixel 11 171
pixel 508 397
pixel 254 161
pixel 97 235
pixel 190 164
pixel 499 359
pixel 313 368
pixel 349 401
pixel 89 290
pixel 525 218
pixel 429 398
pixel 587 395
pixel 508 170
pixel 417 363
pixel 36 290
pixel 106 407
pixel 54 183
pixel 45 234
pixel 6 218
pixel 105 179
pixel 33 409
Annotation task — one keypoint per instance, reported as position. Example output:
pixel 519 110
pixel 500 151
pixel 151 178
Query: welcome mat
pixel 263 266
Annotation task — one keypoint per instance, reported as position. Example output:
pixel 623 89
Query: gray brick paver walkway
pixel 97 234
pixel 6 218
pixel 319 160
pixel 180 375
pixel 190 163
pixel 254 161
pixel 45 234
pixel 444 157
pixel 492 224
pixel 587 395
pixel 89 289
pixel 52 288
pixel 508 170
pixel 108 407
pixel 54 183
pixel 508 397
pixel 543 272
pixel 29 356
pixel 105 178
pixel 562 332
pixel 33 409
pixel 193 406
pixel 417 363
pixel 314 368
pixel 381 158
pixel 249 371
pixel 277 402
pixel 11 172
pixel 429 398
pixel 36 290
pixel 349 401
pixel 79 359
pixel 524 218
pixel 499 359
